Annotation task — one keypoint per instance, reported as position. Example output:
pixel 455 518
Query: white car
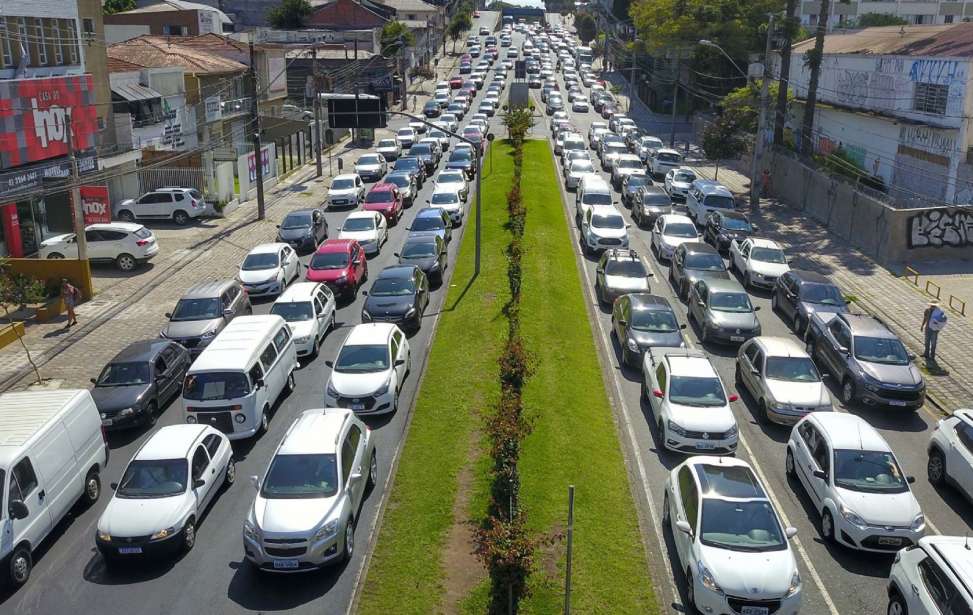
pixel 558 116
pixel 759 261
pixel 578 169
pixel 449 200
pixel 453 179
pixel 268 269
pixel 309 309
pixel 164 491
pixel 125 244
pixel 449 122
pixel 780 375
pixel 730 539
pixel 853 479
pixel 603 227
pixel 669 232
pixel 624 165
pixel 368 228
pixel 372 364
pixel 678 182
pixel 951 452
pixel 406 137
pixel 177 204
pixel 304 513
pixel 663 160
pixel 371 167
pixel 346 190
pixel 417 127
pixel 595 133
pixel 569 156
pixel 689 402
pixel 389 148
pixel 932 579
pixel 442 98
pixel 580 105
pixel 647 146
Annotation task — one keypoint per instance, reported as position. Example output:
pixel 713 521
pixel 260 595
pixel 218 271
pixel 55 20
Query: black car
pixel 649 203
pixel 798 294
pixel 427 252
pixel 414 166
pixel 399 294
pixel 431 109
pixel 303 229
pixel 694 261
pixel 462 159
pixel 722 227
pixel 140 381
pixel 425 153
pixel 641 321
pixel 631 184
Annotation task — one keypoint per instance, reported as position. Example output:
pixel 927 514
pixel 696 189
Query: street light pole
pixel 758 146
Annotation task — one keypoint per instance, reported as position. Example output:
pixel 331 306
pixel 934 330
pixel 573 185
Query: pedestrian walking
pixel 933 321
pixel 765 183
pixel 70 295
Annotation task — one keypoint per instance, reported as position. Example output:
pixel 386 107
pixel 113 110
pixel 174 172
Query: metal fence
pixel 150 179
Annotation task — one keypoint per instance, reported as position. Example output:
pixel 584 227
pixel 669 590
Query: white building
pixel 847 14
pixel 899 102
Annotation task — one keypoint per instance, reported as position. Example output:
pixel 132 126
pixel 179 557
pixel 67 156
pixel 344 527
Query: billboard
pixel 33 116
pixel 357 113
pixel 95 205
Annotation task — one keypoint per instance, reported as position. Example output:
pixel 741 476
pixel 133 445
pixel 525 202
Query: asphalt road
pixel 835 579
pixel 70 576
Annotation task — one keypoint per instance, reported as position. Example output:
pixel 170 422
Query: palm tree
pixel 790 27
pixel 813 61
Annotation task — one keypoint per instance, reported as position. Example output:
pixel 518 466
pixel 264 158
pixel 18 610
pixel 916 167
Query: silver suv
pixel 177 204
pixel 204 311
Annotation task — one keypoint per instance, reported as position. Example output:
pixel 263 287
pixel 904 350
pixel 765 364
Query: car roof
pixel 956 552
pixel 629 157
pixel 430 212
pixel 171 442
pixel 670 218
pixel 711 187
pixel 726 477
pixel 267 248
pixel 369 333
pixel 141 351
pixel 864 324
pixel 698 247
pixel 335 245
pixel 344 176
pixel 689 363
pixel 765 243
pixel 803 275
pixel 301 291
pixel 128 227
pixel 208 289
pixel 849 431
pixel 780 347
pixel 719 285
pixel 647 301
pixel 397 272
pixel 314 431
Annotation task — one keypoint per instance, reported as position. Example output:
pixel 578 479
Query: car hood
pixel 178 329
pixel 387 149
pixel 326 275
pixel 756 576
pixel 809 394
pixel 711 420
pixel 291 515
pixel 741 320
pixel 258 275
pixel 695 275
pixel 360 236
pixel 379 206
pixel 129 517
pixel 897 509
pixel 769 269
pixel 906 375
pixel 57 239
pixel 113 399
pixel 294 233
pixel 301 328
pixel 648 339
pixel 358 385
pixel 426 263
pixel 458 187
pixel 609 232
pixel 626 283
pixel 368 168
pixel 389 306
pixel 733 235
pixel 344 193
pixel 674 242
pixel 681 186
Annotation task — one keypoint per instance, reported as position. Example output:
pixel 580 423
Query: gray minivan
pixel 204 311
pixel 706 195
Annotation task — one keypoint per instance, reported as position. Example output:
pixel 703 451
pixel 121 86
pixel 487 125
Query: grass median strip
pixel 407 573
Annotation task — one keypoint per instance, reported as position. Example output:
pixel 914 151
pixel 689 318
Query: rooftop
pixel 782 347
pixel 171 442
pixel 952 41
pixel 850 432
pixel 143 351
pixel 315 431
pixel 165 6
pixel 161 51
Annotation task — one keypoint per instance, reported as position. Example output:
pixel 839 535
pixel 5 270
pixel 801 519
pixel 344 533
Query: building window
pixel 23 39
pixel 6 48
pixel 172 30
pixel 930 98
pixel 71 39
pixel 58 51
pixel 88 28
pixel 948 19
pixel 41 41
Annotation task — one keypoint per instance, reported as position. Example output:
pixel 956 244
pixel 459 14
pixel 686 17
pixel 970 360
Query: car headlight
pixel 104 536
pixel 632 345
pixel 776 405
pixel 706 578
pixel 411 312
pixel 332 392
pixel 126 412
pixel 251 531
pixel 340 279
pixel 851 516
pixel 732 431
pixel 328 530
pixel 209 334
pixel 918 523
pixel 382 390
pixel 303 340
pixel 169 531
pixel 365 315
pixel 675 427
pixel 795 585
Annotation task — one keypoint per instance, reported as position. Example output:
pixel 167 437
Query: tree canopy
pixel 289 14
pixel 871 20
pixel 741 106
pixel 460 23
pixel 395 36
pixel 110 7
pixel 586 27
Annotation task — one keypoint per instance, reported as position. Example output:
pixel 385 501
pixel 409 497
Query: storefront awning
pixel 133 91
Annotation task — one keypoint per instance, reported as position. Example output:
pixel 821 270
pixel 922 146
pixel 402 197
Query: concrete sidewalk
pixel 874 289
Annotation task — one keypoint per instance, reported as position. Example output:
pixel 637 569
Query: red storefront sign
pixel 11 229
pixel 95 204
pixel 37 110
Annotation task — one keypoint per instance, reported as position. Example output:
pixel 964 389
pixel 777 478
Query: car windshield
pixel 392 287
pixel 358 224
pixel 654 321
pixel 792 369
pixel 826 294
pixel 153 478
pixel 637 181
pixel 361 359
pixel 454 177
pixel 197 309
pixel 308 475
pixel 629 164
pixel 680 229
pixel 261 260
pixel 293 311
pixel 664 157
pixel 735 224
pixel 583 166
pixel 370 159
pixel 740 526
pixel 343 184
pixel 704 261
pixel 405 132
pixel 868 471
pixel 596 198
pixel 612 221
pixel 768 255
pixel 419 249
pixel 329 260
pixel 461 155
pixel 420 150
pixel 379 196
pixel 387 143
pixel 730 302
pixel 683 176
pixel 124 374
pixel 627 268
pixel 297 220
pixel 427 223
pixel 444 198
pixel 407 164
pixel 696 391
pixel 402 181
pixel 715 201
pixel 880 350
pixel 211 386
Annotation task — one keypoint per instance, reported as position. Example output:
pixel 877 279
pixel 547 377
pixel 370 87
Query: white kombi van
pixel 52 451
pixel 236 380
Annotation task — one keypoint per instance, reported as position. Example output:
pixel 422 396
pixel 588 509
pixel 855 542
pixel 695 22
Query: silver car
pixel 782 379
pixel 203 311
pixel 390 149
pixel 723 312
pixel 371 167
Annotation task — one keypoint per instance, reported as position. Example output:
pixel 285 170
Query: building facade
pixel 174 18
pixel 848 14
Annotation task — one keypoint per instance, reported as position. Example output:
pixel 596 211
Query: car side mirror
pixel 623 322
pixel 113 486
pixel 277 225
pixel 399 362
pixel 910 479
pixel 790 532
pixel 329 363
pixel 199 483
pixel 397 255
pixel 18 510
pixel 820 474
pixel 168 314
pixel 255 481
pixel 658 393
pixel 682 326
pixel 754 371
pixel 756 308
pixel 260 383
pixel 912 356
pixel 684 527
pixel 93 380
pixel 364 293
pixel 228 313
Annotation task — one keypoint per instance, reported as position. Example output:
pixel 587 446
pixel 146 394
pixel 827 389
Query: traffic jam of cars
pixel 732 548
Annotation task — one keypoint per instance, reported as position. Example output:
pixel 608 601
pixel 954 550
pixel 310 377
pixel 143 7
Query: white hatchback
pixel 309 309
pixel 368 228
pixel 669 232
pixel 268 269
pixel 372 364
pixel 347 189
pixel 125 244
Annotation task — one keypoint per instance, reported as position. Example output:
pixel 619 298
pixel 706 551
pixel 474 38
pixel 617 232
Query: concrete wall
pixel 116 33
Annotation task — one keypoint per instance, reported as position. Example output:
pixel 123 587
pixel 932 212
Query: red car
pixel 456 82
pixel 465 58
pixel 476 13
pixel 387 199
pixel 341 264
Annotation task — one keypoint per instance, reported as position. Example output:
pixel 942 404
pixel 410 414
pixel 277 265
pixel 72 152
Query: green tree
pixel 395 36
pixel 587 28
pixel 16 291
pixel 117 6
pixel 460 23
pixel 812 59
pixel 741 107
pixel 290 14
pixel 722 141
pixel 789 30
pixel 871 20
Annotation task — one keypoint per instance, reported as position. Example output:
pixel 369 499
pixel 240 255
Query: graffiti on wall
pixel 943 72
pixel 928 139
pixel 852 87
pixel 941 228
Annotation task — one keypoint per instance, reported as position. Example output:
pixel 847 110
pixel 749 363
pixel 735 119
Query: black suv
pixel 722 227
pixel 692 262
pixel 798 294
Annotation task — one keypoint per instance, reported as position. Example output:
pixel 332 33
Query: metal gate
pixel 150 179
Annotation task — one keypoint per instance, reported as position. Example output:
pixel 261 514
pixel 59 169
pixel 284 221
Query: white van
pixel 52 451
pixel 706 195
pixel 592 190
pixel 236 380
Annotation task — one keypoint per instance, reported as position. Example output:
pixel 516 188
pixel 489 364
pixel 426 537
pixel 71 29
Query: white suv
pixel 730 541
pixel 309 309
pixel 603 227
pixel 951 452
pixel 932 578
pixel 689 402
pixel 176 204
pixel 347 190
pixel 126 244
pixel 372 364
pixel 303 516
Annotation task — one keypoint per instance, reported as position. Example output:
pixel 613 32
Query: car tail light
pixel 143 242
pixel 658 393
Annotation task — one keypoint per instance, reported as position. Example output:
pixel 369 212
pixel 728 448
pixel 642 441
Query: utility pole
pixel 79 227
pixel 255 121
pixel 758 146
pixel 479 174
pixel 317 115
pixel 675 99
pixel 631 82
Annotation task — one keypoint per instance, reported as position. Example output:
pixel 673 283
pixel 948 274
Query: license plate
pixel 284 564
pixel 889 540
pixel 737 338
pixel 754 610
pixel 706 445
pixel 357 406
pixel 129 550
pixel 107 422
pixel 896 402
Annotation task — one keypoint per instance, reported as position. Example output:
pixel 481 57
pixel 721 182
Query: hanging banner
pixel 252 164
pixel 95 204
